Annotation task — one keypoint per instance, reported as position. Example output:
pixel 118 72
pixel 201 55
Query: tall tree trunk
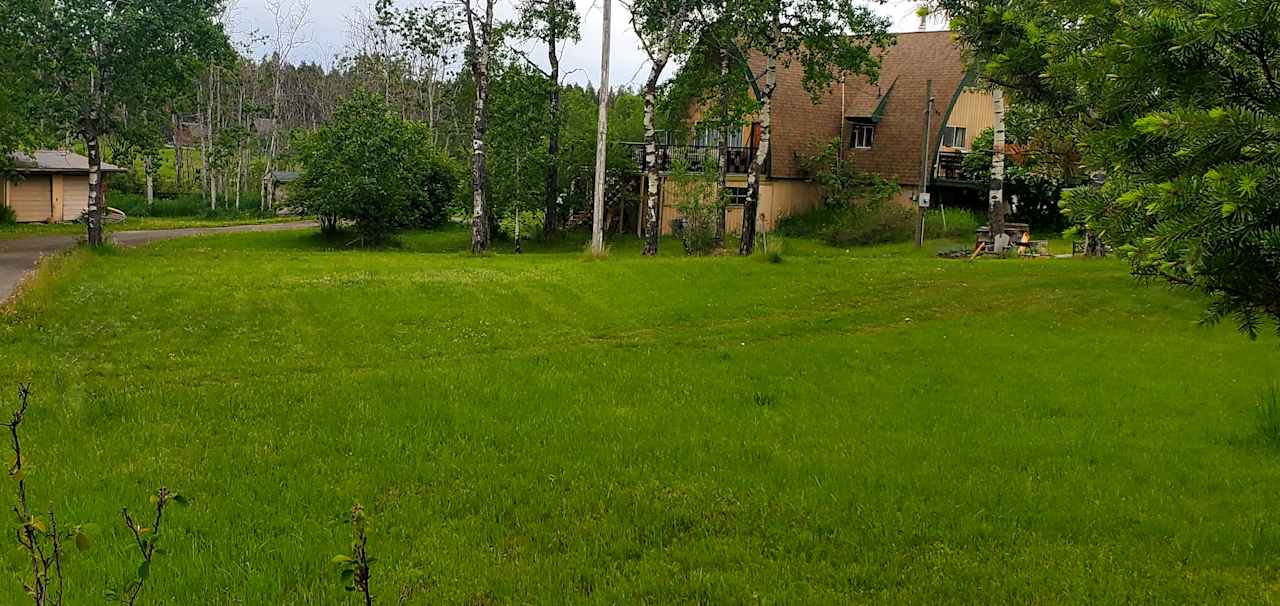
pixel 94 211
pixel 602 139
pixel 651 167
pixel 550 222
pixel 148 167
pixel 723 148
pixel 240 151
pixel 995 200
pixel 177 154
pixel 267 189
pixel 481 45
pixel 752 203
pixel 202 119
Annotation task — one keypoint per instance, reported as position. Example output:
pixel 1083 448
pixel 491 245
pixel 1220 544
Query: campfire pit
pixel 1019 235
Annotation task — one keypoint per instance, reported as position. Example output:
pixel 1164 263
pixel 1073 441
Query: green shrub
pixel 807 225
pixel 530 224
pixel 858 207
pixel 699 203
pixel 873 224
pixel 7 216
pixel 951 223
pixel 372 167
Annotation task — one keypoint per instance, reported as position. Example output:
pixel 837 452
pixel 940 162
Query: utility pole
pixel 922 198
pixel 602 131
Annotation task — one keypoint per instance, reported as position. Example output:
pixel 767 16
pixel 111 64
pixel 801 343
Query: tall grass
pixel 1269 416
pixel 183 205
pixel 891 223
pixel 951 223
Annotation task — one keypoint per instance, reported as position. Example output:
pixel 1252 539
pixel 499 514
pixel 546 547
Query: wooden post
pixel 602 142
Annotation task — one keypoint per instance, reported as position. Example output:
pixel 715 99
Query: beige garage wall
pixel 75 196
pixel 32 198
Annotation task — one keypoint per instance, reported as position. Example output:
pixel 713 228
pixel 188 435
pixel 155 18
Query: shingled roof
pixel 56 161
pixel 896 101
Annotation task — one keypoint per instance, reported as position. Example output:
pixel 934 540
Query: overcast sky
pixel 327 32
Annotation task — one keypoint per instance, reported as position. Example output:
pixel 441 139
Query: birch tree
pixel 290 18
pixel 107 59
pixel 665 32
pixel 481 39
pixel 995 197
pixel 431 36
pixel 430 30
pixel 831 39
pixel 555 23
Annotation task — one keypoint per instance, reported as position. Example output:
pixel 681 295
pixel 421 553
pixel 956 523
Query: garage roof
pixel 56 161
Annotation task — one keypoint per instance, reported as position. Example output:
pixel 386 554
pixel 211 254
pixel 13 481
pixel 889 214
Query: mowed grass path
pixel 867 426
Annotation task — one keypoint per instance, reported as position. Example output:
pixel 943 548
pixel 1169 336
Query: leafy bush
pixel 872 224
pixel 858 207
pixel 372 167
pixel 1037 185
pixel 951 223
pixel 699 203
pixel 7 216
pixel 530 224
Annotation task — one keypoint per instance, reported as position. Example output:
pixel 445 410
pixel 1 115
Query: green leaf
pixel 83 542
pixel 144 570
pixel 181 500
pixel 340 559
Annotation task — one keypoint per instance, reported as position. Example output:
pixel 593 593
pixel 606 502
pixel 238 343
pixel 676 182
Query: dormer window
pixel 863 136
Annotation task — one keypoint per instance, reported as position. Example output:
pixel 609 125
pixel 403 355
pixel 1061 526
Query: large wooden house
pixel 881 127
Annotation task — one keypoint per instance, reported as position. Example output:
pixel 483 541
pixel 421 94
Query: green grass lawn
pixel 865 426
pixel 25 230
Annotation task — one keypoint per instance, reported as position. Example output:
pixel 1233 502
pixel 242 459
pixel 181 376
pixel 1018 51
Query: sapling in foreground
pixel 39 539
pixel 354 566
pixel 146 538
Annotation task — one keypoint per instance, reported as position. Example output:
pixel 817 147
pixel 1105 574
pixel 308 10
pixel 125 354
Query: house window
pixel 735 195
pixel 710 137
pixel 954 136
pixel 864 135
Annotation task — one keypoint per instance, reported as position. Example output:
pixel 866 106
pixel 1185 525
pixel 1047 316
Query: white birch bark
pixel 481 39
pixel 148 167
pixel 752 203
pixel 652 172
pixel 995 200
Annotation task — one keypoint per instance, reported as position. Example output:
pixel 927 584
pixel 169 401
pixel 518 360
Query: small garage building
pixel 52 186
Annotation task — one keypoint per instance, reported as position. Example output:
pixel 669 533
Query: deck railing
pixel 696 157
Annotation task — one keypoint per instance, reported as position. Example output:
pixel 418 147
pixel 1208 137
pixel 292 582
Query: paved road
pixel 18 256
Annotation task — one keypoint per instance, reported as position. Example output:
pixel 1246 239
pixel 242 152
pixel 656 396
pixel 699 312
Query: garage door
pixel 75 196
pixel 32 199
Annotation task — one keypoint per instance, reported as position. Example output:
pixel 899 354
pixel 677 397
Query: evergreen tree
pixel 1176 106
